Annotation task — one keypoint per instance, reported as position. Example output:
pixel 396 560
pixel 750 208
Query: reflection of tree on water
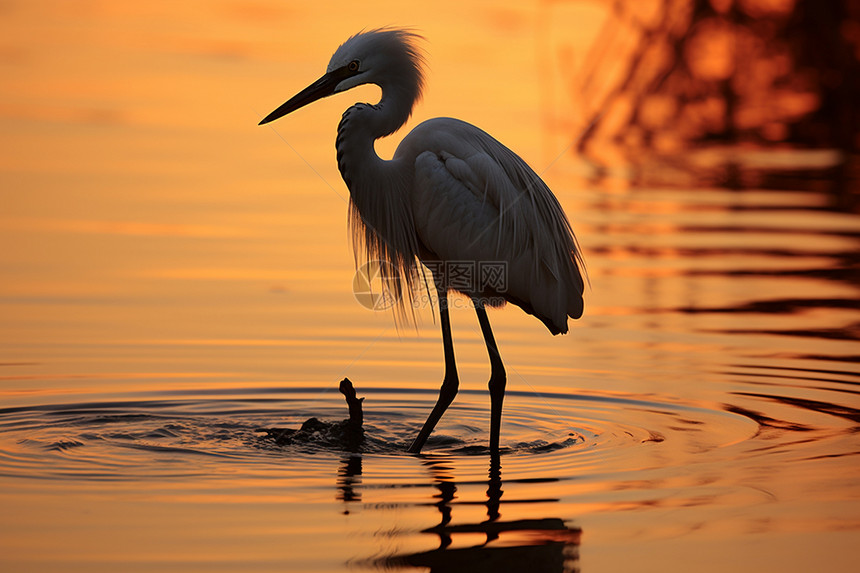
pixel 540 544
pixel 668 75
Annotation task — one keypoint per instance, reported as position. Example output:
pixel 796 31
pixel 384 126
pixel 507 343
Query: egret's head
pixel 387 57
pixel 379 57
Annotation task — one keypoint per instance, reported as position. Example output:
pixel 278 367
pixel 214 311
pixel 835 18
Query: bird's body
pixel 474 200
pixel 453 198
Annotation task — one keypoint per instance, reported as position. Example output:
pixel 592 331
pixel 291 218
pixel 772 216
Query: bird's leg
pixel 451 382
pixel 498 378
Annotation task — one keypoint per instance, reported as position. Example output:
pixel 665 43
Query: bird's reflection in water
pixel 539 544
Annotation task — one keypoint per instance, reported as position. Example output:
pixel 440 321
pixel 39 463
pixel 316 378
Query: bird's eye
pixel 353 66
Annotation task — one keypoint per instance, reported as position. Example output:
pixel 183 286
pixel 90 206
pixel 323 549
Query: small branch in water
pixel 356 416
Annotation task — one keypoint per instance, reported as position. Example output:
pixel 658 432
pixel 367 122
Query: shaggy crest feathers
pixel 391 58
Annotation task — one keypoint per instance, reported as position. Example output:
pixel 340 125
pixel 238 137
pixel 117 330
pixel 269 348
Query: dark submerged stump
pixel 356 416
pixel 347 434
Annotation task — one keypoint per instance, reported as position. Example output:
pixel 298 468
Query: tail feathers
pixel 549 301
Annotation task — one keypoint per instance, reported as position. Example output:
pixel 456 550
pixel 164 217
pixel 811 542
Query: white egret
pixel 453 198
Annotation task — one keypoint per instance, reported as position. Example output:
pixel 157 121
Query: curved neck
pixel 361 125
pixel 394 108
pixel 374 183
pixel 381 208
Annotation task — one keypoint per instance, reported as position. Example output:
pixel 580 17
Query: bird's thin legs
pixel 451 382
pixel 498 378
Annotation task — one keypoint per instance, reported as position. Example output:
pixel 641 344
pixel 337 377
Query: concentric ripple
pixel 217 433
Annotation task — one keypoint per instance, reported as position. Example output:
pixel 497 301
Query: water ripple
pixel 553 435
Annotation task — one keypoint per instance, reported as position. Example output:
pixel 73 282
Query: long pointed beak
pixel 321 88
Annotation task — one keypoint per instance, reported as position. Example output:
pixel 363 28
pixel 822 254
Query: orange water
pixel 175 277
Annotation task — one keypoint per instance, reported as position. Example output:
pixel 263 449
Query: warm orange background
pixel 143 205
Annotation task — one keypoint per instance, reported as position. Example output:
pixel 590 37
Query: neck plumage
pixel 380 207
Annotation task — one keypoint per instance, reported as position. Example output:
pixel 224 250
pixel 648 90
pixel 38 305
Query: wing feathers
pixel 475 200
